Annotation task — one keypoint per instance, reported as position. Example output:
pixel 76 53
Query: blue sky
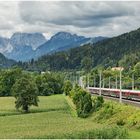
pixel 89 18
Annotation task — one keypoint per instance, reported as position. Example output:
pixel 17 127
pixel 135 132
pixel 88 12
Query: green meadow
pixel 54 118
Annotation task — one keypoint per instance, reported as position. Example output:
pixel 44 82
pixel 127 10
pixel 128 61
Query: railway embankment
pixel 122 115
pixel 119 114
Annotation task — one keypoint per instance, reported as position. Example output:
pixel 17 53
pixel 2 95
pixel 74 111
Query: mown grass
pixel 56 118
pixel 52 119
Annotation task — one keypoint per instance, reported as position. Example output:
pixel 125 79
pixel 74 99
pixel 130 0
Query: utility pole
pixel 88 80
pixel 103 83
pixel 84 84
pixel 133 82
pixel 81 82
pixel 120 85
pixel 73 80
pixel 76 79
pixel 79 79
pixel 94 81
pixel 116 82
pixel 109 82
pixel 100 93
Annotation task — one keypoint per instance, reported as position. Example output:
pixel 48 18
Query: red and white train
pixel 126 94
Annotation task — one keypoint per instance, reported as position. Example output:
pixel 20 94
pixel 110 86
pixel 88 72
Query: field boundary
pixel 72 106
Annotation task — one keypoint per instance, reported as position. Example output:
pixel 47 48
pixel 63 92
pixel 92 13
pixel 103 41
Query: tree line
pixel 47 83
pixel 27 86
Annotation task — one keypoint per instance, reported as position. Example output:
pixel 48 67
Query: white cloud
pixel 89 18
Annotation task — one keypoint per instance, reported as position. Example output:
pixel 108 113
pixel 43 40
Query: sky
pixel 87 18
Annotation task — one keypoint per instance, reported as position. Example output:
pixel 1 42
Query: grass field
pixel 54 118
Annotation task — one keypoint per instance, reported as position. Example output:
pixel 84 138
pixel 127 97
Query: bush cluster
pixel 67 87
pixel 82 100
pixel 98 102
pixel 49 83
pixel 120 122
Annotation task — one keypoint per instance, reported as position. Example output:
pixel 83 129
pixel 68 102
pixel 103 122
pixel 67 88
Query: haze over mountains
pixel 25 46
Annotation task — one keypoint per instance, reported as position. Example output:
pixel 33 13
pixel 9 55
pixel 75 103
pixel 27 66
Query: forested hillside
pixel 121 50
pixel 4 62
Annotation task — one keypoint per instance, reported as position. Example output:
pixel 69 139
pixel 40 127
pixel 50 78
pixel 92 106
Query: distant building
pixel 117 68
pixel 42 72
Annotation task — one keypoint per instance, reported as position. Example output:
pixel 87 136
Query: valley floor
pixel 54 118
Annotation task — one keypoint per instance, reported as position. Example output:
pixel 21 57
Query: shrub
pixel 98 102
pixel 47 90
pixel 83 102
pixel 74 90
pixel 101 99
pixel 106 112
pixel 67 87
pixel 120 122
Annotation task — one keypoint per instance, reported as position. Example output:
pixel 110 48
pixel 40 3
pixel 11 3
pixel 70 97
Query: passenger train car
pixel 126 94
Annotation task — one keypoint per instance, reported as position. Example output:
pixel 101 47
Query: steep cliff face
pixel 27 39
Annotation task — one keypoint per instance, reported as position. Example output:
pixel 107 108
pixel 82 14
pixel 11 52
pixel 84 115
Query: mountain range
pixel 122 50
pixel 25 46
